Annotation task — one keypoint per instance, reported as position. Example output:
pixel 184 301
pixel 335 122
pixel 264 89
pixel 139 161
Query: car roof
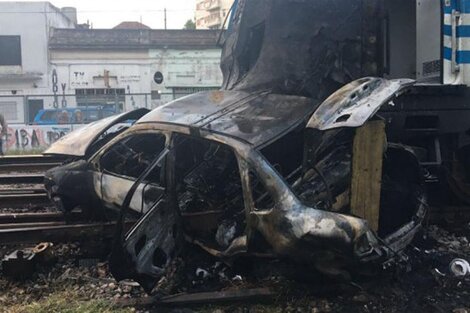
pixel 73 109
pixel 255 118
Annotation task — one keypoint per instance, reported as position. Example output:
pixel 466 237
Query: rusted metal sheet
pixel 21 264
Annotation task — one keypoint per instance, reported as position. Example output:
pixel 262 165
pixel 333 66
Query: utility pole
pixel 164 13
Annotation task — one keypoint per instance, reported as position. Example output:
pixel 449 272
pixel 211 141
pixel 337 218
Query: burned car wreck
pixel 266 166
pixel 258 174
pixel 248 177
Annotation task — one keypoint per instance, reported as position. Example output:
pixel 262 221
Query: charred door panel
pixel 144 253
pixel 151 193
pixel 151 244
pixel 114 190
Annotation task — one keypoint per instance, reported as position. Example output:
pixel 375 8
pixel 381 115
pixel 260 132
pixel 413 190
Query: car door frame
pixel 123 263
pixel 96 162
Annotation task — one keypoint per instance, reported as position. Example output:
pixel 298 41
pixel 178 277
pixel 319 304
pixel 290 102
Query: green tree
pixel 189 25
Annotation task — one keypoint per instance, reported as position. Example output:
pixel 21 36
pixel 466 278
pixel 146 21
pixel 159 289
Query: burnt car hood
pixel 79 141
pixel 357 102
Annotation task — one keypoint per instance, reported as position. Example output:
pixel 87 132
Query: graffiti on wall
pixel 30 137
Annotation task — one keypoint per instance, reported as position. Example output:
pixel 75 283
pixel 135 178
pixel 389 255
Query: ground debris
pixel 224 296
pixel 66 275
pixel 297 288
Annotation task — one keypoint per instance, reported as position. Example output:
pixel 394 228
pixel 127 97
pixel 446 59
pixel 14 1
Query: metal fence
pixel 50 109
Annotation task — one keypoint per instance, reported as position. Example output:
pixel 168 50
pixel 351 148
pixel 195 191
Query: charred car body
pixel 240 168
pixel 266 165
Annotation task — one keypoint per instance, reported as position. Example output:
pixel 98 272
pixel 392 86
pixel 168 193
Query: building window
pixel 9 110
pixel 107 97
pixel 156 95
pixel 10 50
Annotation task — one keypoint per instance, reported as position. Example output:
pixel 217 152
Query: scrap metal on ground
pixel 21 264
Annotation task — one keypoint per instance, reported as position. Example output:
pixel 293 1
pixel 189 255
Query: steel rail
pixel 29 159
pixel 27 167
pixel 23 200
pixel 40 217
pixel 30 225
pixel 21 191
pixel 59 233
pixel 17 179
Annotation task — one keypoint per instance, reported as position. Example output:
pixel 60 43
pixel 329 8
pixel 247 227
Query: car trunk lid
pixel 355 103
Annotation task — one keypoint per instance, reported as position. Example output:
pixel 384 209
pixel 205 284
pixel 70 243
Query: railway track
pixel 22 228
pixel 30 159
pixel 55 232
pixel 18 179
pixel 17 173
pixel 23 197
pixel 26 169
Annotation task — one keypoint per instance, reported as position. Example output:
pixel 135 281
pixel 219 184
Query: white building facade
pixel 24 56
pixel 211 14
pixel 49 66
pixel 126 68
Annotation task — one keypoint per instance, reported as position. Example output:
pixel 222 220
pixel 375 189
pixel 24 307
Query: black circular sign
pixel 158 77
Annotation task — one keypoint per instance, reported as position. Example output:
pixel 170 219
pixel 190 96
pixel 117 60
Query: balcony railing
pixel 213 20
pixel 210 5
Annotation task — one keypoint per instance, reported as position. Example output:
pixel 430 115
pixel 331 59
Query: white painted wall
pixel 24 19
pixel 32 21
pixel 131 70
pixel 186 68
pixel 134 71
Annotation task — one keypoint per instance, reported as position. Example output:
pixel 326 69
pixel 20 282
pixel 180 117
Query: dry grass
pixel 67 302
pixel 24 152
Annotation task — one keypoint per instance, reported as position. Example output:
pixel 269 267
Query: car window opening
pixel 130 157
pixel 209 190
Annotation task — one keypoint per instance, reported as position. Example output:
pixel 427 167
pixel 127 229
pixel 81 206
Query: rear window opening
pixel 286 154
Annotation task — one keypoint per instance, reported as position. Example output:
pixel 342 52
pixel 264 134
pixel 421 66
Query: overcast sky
pixel 109 13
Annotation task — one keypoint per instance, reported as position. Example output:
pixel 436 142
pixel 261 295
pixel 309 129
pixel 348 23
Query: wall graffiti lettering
pixel 31 137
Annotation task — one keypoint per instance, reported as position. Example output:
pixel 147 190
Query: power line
pixel 98 11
